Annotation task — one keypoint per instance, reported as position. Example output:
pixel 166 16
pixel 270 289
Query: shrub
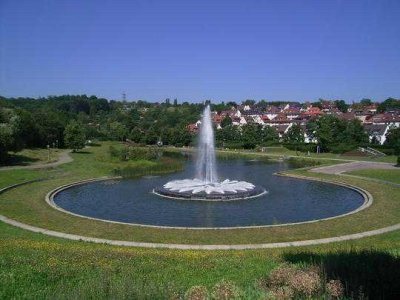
pixel 335 288
pixel 289 281
pixel 301 147
pixel 197 292
pixel 134 153
pixel 305 282
pixel 302 162
pixel 225 290
pixel 342 148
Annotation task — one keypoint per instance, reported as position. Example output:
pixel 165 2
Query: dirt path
pixel 352 166
pixel 63 158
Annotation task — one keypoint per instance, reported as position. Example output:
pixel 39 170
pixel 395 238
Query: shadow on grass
pixel 17 160
pixel 94 144
pixel 82 152
pixel 365 274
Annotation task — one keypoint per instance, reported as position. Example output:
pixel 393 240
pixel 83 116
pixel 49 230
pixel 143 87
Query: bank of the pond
pixel 26 204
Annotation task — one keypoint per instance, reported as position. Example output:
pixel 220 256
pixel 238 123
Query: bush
pixel 341 148
pixel 225 290
pixel 387 151
pixel 301 147
pixel 134 153
pixel 197 292
pixel 249 145
pixel 302 162
pixel 142 168
pixel 289 281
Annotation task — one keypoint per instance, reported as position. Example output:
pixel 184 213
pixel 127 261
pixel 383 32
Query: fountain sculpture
pixel 206 185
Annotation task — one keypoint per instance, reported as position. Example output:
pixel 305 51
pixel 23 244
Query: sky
pixel 223 50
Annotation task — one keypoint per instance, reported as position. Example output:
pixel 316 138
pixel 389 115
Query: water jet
pixel 206 185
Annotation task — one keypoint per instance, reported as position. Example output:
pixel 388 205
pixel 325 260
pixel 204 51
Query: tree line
pixel 70 120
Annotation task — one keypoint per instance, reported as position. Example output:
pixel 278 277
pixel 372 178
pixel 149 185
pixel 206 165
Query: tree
pixel 269 135
pixel 389 104
pixel 74 136
pixel 249 102
pixel 393 141
pixel 250 136
pixel 118 131
pixel 341 105
pixel 366 102
pixel 7 138
pixel 355 133
pixel 294 135
pixel 226 122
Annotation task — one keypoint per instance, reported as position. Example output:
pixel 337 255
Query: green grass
pixel 32 157
pixel 282 151
pixel 37 266
pixel 17 176
pixel 386 175
pixel 26 204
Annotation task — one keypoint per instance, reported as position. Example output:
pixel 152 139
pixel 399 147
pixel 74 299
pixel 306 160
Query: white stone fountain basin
pixel 197 189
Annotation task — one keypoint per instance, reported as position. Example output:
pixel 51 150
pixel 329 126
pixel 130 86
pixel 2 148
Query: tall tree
pixel 226 122
pixel 389 104
pixel 341 105
pixel 74 136
pixel 294 135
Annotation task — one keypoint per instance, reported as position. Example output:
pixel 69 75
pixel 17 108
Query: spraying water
pixel 206 185
pixel 206 169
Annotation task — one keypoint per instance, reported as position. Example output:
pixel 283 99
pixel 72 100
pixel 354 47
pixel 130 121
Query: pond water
pixel 288 200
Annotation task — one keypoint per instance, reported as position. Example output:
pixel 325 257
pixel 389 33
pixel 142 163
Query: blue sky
pixel 195 50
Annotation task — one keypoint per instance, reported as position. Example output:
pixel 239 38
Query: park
pixel 199 150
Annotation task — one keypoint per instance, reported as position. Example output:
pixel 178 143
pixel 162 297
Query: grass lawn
pixel 387 175
pixel 279 152
pixel 33 156
pixel 37 266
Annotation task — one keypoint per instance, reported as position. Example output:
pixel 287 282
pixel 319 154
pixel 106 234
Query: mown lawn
pixel 32 156
pixel 37 266
pixel 386 175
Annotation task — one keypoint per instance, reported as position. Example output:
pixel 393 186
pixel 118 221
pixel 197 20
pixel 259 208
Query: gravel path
pixel 352 166
pixel 63 158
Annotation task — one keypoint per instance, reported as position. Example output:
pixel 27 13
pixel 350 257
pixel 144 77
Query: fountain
pixel 206 185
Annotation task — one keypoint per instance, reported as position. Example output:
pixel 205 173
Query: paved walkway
pixel 63 158
pixel 352 166
pixel 200 247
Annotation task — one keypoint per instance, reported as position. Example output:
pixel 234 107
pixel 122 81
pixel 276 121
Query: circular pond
pixel 288 200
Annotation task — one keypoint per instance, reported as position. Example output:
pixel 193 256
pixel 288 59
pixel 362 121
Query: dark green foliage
pixel 43 121
pixel 302 162
pixel 135 153
pixel 74 136
pixel 334 134
pixel 226 122
pixel 11 137
pixel 365 102
pixel 165 165
pixel 295 135
pixel 393 140
pixel 389 104
pixel 302 147
pixel 341 105
pixel 247 136
pixel 365 274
